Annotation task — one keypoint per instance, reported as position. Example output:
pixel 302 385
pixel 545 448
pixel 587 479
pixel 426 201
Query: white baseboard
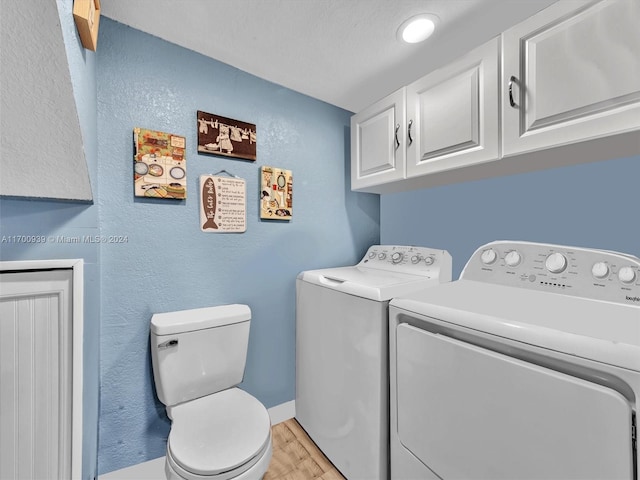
pixel 151 470
pixel 282 412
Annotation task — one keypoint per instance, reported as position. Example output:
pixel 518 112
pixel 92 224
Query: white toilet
pixel 218 432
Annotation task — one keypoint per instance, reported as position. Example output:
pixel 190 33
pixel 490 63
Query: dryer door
pixel 468 412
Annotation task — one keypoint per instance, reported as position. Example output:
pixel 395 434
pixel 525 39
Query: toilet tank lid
pixel 171 323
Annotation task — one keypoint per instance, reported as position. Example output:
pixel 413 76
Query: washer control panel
pixel 596 274
pixel 408 259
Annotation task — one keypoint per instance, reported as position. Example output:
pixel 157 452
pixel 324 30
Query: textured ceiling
pixel 343 52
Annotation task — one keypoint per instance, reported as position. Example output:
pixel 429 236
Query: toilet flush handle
pixel 169 343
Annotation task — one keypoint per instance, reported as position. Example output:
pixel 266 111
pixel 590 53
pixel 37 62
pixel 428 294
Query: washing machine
pixel 342 382
pixel 527 367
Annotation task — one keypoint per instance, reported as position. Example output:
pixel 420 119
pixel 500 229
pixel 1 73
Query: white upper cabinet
pixel 560 88
pixel 378 142
pixel 571 73
pixel 452 114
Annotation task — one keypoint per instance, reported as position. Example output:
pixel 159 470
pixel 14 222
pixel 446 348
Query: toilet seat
pixel 252 470
pixel 219 435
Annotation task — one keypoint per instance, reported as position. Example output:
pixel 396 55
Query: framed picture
pixel 159 165
pixel 86 14
pixel 227 137
pixel 276 193
pixel 223 206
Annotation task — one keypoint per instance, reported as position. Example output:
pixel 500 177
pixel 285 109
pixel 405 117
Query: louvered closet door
pixel 35 374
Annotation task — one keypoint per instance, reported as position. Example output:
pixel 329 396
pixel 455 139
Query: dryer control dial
pixel 513 258
pixel 489 256
pixel 626 275
pixel 396 257
pixel 600 270
pixel 416 259
pixel 601 275
pixel 429 260
pixel 556 263
pixel 382 256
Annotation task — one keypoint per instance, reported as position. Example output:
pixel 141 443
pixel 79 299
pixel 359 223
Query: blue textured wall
pixel 168 264
pixel 592 205
pixel 50 219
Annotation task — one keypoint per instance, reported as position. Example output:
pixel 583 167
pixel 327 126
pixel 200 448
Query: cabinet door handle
pixel 512 80
pixel 397 142
pixel 409 132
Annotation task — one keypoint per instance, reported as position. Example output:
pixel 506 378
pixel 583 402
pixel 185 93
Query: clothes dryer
pixel 342 382
pixel 526 367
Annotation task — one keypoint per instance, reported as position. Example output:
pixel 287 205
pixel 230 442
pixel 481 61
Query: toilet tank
pixel 198 352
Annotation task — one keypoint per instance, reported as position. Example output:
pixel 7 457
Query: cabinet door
pixel 378 142
pixel 452 114
pixel 574 71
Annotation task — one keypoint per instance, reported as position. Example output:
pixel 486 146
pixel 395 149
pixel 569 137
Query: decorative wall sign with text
pixel 223 206
pixel 276 193
pixel 159 164
pixel 224 136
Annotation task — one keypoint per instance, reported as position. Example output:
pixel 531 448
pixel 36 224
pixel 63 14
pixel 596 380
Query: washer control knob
pixel 489 256
pixel 397 257
pixel 382 256
pixel 600 270
pixel 372 254
pixel 556 263
pixel 513 258
pixel 416 259
pixel 429 260
pixel 626 275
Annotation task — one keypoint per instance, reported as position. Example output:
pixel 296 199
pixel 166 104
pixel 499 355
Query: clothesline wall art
pixel 159 164
pixel 225 136
pixel 276 193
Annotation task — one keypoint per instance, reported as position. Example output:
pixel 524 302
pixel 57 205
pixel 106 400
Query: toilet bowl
pixel 222 436
pixel 218 431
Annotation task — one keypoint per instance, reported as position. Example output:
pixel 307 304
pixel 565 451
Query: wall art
pixel 223 206
pixel 86 14
pixel 276 193
pixel 224 136
pixel 159 164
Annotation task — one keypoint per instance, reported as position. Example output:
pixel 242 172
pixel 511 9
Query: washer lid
pixel 219 432
pixel 368 283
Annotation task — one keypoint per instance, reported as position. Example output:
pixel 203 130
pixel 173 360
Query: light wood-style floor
pixel 296 457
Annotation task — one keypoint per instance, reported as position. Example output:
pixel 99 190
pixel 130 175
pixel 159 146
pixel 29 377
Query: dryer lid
pixel 601 331
pixel 219 432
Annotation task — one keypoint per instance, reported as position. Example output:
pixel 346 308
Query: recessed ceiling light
pixel 417 28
